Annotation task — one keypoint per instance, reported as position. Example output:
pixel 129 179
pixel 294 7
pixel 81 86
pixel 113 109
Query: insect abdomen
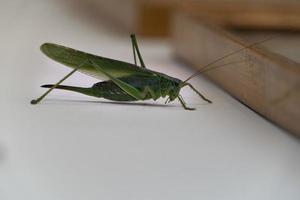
pixel 109 90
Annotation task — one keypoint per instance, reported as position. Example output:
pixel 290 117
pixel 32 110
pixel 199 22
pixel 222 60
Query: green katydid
pixel 126 81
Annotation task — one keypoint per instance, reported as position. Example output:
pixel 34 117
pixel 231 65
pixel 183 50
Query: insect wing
pixel 74 58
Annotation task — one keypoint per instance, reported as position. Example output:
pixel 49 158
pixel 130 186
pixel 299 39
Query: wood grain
pixel 267 82
pixel 267 15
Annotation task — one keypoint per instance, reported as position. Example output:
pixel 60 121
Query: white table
pixel 72 147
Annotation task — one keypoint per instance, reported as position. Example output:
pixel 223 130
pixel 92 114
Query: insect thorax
pixel 170 86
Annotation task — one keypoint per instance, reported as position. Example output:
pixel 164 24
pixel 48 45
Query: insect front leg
pixel 195 90
pixel 136 49
pixel 184 104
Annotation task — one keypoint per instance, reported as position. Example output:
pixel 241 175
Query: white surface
pixel 72 147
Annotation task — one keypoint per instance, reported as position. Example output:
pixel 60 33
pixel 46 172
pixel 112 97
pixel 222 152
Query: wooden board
pixel 268 80
pixel 152 17
pixel 243 14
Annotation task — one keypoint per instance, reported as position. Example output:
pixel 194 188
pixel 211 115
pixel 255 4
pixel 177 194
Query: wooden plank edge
pixel 268 83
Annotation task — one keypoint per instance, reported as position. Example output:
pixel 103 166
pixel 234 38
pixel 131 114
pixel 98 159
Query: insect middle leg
pixel 149 90
pixel 184 104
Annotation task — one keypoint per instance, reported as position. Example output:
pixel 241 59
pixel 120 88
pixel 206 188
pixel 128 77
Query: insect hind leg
pixel 36 101
pixel 133 49
pixel 136 49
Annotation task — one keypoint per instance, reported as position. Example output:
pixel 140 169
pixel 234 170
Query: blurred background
pixel 243 146
pixel 153 17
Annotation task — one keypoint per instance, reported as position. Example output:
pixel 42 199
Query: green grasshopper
pixel 126 81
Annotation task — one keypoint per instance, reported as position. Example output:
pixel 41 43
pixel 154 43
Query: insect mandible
pixel 126 81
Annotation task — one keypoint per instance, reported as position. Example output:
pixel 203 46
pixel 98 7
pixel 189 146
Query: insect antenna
pixel 205 68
